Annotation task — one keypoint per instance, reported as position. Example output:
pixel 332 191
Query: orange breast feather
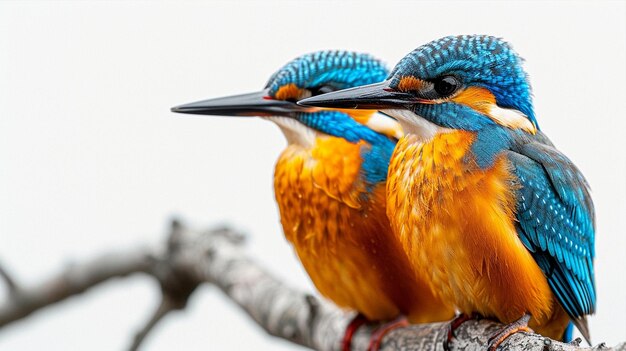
pixel 459 220
pixel 342 235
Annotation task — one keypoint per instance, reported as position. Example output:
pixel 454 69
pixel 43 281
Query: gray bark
pixel 191 257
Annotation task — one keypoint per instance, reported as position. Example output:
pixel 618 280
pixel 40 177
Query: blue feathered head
pixel 460 82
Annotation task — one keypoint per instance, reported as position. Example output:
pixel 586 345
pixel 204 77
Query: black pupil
pixel 446 86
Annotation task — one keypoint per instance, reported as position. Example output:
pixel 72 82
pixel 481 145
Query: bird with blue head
pixel 330 185
pixel 478 192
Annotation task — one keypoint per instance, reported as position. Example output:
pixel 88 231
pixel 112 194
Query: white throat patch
pixel 295 132
pixel 511 118
pixel 415 124
pixel 384 124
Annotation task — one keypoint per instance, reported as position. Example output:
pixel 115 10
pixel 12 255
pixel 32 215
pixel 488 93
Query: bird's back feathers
pixel 556 223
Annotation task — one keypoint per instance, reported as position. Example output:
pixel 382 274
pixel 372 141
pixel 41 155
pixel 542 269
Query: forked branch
pixel 191 257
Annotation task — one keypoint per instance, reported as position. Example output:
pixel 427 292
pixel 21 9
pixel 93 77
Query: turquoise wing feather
pixel 556 223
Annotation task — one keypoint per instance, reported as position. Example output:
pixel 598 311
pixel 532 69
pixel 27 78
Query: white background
pixel 91 159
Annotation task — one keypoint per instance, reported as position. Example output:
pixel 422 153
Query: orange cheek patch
pixel 289 91
pixel 410 83
pixel 361 116
pixel 480 99
pixel 483 101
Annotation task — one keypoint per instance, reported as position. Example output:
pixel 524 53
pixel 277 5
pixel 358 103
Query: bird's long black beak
pixel 252 104
pixel 377 96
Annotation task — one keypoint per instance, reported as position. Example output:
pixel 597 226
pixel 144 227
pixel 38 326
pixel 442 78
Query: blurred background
pixel 91 159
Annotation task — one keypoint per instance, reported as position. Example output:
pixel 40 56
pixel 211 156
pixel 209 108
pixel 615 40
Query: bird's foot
pixel 520 325
pixel 379 333
pixel 453 325
pixel 355 323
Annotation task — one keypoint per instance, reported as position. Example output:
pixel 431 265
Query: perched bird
pixel 330 187
pixel 476 192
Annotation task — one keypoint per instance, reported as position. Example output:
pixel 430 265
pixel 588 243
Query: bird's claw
pixel 452 326
pixel 355 323
pixel 520 325
pixel 379 333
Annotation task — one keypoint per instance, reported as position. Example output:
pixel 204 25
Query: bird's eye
pixel 446 85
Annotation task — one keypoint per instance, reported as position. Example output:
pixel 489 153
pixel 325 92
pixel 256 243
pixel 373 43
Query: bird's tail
pixel 583 326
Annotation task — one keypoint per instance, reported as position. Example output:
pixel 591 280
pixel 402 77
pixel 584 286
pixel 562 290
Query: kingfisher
pixel 478 193
pixel 330 186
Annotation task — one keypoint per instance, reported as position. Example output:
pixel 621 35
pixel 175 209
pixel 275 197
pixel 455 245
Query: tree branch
pixel 8 280
pixel 165 307
pixel 191 257
pixel 73 280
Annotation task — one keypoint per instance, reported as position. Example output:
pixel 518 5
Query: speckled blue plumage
pixel 555 215
pixel 479 60
pixel 554 212
pixel 342 69
pixel 556 222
